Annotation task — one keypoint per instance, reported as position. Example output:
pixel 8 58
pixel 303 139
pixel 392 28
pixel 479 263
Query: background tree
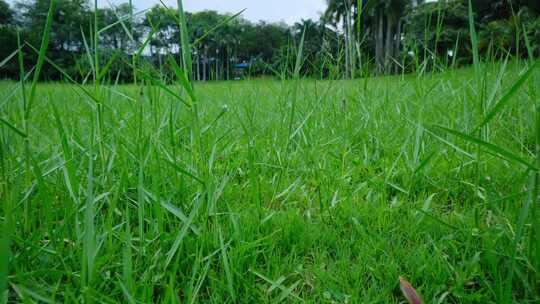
pixel 6 13
pixel 8 39
pixel 353 38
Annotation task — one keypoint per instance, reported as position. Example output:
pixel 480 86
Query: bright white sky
pixel 289 11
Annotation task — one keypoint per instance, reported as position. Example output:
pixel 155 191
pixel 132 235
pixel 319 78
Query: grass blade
pixel 498 151
pixel 184 41
pixel 41 56
pixel 13 128
pixel 523 215
pixel 226 266
pixel 181 75
pixel 180 215
pixel 158 83
pixel 217 26
pixel 507 97
pixel 183 232
pixel 8 58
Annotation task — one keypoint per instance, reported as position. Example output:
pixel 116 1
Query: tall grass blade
pixel 89 226
pixel 508 96
pixel 226 266
pixel 8 58
pixel 182 77
pixel 182 234
pixel 184 41
pixel 498 151
pixel 217 26
pixel 5 253
pixel 13 128
pixel 520 231
pixel 41 56
pixel 474 40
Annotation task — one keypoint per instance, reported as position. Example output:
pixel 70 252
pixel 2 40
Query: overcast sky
pixel 289 11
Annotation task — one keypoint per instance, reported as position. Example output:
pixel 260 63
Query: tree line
pixel 352 38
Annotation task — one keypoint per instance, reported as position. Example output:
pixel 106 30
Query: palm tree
pixel 6 14
pixel 381 18
pixel 341 12
pixel 395 9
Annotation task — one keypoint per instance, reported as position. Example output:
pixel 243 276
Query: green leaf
pixel 226 266
pixel 184 171
pixel 180 215
pixel 181 75
pixel 184 41
pixel 66 75
pixel 474 40
pixel 5 253
pixel 106 68
pixel 507 97
pixel 13 128
pixel 41 56
pixel 183 232
pixel 220 24
pixel 498 151
pixel 299 56
pixel 163 86
pixel 8 58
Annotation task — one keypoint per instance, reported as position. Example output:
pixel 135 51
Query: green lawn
pixel 293 191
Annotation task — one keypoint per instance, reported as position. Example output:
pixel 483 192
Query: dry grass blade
pixel 409 292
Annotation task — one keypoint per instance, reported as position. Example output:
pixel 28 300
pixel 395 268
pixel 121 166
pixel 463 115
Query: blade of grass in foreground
pixel 160 84
pixel 297 67
pixel 13 128
pixel 226 266
pixel 41 56
pixel 524 214
pixel 184 41
pixel 6 230
pixel 89 228
pixel 474 41
pixel 181 75
pixel 294 99
pixel 5 253
pixel 8 58
pixel 507 97
pixel 498 151
pixel 183 232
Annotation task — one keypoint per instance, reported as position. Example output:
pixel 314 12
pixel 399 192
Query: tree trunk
pixel 160 62
pixel 389 48
pixel 350 47
pixel 379 40
pixel 198 66
pixel 205 62
pixel 397 51
pixel 227 64
pixel 347 59
pixel 217 66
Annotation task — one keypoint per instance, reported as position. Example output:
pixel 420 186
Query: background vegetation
pixel 352 38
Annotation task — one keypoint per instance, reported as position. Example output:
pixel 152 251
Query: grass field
pixel 293 191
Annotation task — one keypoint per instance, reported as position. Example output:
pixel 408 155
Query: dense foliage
pixel 387 36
